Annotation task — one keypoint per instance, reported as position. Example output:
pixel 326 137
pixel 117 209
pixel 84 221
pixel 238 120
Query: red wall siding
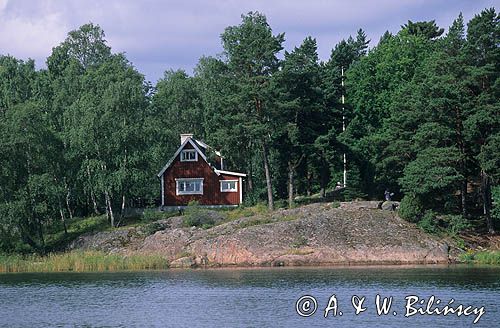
pixel 211 184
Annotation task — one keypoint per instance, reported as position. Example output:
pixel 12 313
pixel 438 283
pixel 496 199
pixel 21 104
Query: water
pixel 243 297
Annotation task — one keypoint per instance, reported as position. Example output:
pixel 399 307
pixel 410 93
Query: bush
pixel 457 224
pixel 151 228
pixel 195 216
pixel 428 223
pixel 245 211
pixel 411 208
pixel 300 241
pixel 151 215
pixel 281 203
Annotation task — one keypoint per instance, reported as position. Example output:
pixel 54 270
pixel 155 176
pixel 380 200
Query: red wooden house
pixel 190 176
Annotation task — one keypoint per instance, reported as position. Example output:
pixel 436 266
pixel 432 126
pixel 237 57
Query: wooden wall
pixel 211 184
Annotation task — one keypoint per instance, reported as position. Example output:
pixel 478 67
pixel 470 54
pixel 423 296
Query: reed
pixel 482 257
pixel 81 261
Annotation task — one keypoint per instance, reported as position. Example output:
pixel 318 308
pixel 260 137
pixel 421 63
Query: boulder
pixel 183 262
pixel 389 205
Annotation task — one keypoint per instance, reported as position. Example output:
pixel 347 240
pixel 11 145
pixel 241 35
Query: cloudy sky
pixel 161 35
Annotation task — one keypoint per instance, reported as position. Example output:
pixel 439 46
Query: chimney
pixel 185 136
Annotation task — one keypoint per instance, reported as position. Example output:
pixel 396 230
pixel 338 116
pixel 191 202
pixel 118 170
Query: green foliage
pixel 151 228
pixel 411 208
pixel 152 214
pixel 432 173
pixel 428 30
pixel 246 211
pixel 266 219
pixel 196 216
pixel 483 257
pixel 428 222
pixel 59 239
pixel 457 224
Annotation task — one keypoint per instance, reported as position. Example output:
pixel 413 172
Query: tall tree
pixel 251 52
pixel 482 126
pixel 300 116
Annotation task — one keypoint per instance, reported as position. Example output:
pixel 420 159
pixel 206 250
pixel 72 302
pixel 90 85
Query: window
pixel 228 186
pixel 189 186
pixel 189 155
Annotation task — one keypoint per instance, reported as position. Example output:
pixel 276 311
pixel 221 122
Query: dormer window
pixel 189 155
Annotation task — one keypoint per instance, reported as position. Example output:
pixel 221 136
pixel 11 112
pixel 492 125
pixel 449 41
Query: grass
pixel 76 227
pixel 295 251
pixel 246 211
pixel 267 219
pixel 481 257
pixel 80 261
pixel 58 240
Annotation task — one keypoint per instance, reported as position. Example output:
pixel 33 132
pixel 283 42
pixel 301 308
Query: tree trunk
pixel 92 195
pixel 250 180
pixel 109 208
pixel 463 194
pixel 323 180
pixel 122 210
pixel 63 219
pixel 68 198
pixel 308 184
pixel 486 195
pixel 461 147
pixel 290 184
pixel 94 202
pixel 265 153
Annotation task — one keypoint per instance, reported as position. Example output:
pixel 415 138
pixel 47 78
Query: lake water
pixel 245 297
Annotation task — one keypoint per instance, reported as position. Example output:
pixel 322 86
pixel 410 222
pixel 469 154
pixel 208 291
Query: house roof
pixel 230 173
pixel 198 145
pixel 195 146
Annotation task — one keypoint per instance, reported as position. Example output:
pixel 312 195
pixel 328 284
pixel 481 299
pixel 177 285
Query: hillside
pixel 316 234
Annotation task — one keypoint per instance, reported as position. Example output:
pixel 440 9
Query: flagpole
pixel 343 127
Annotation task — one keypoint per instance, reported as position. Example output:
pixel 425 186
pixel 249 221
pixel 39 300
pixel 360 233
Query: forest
pixel 421 117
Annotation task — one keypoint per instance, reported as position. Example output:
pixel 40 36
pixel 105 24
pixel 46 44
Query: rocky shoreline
pixel 356 233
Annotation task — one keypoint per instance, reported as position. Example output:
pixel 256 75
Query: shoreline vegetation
pixel 480 257
pixel 95 261
pixel 78 258
pixel 80 261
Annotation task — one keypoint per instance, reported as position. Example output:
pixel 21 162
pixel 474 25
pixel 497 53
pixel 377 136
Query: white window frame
pixel 229 190
pixel 189 151
pixel 179 181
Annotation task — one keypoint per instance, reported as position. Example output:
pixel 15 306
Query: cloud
pixel 29 35
pixel 159 35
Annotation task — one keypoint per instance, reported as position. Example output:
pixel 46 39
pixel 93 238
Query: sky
pixel 160 35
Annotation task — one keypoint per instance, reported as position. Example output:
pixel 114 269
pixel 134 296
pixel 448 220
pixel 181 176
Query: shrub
pixel 281 203
pixel 151 228
pixel 428 223
pixel 244 211
pixel 411 208
pixel 299 242
pixel 151 215
pixel 195 216
pixel 457 224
